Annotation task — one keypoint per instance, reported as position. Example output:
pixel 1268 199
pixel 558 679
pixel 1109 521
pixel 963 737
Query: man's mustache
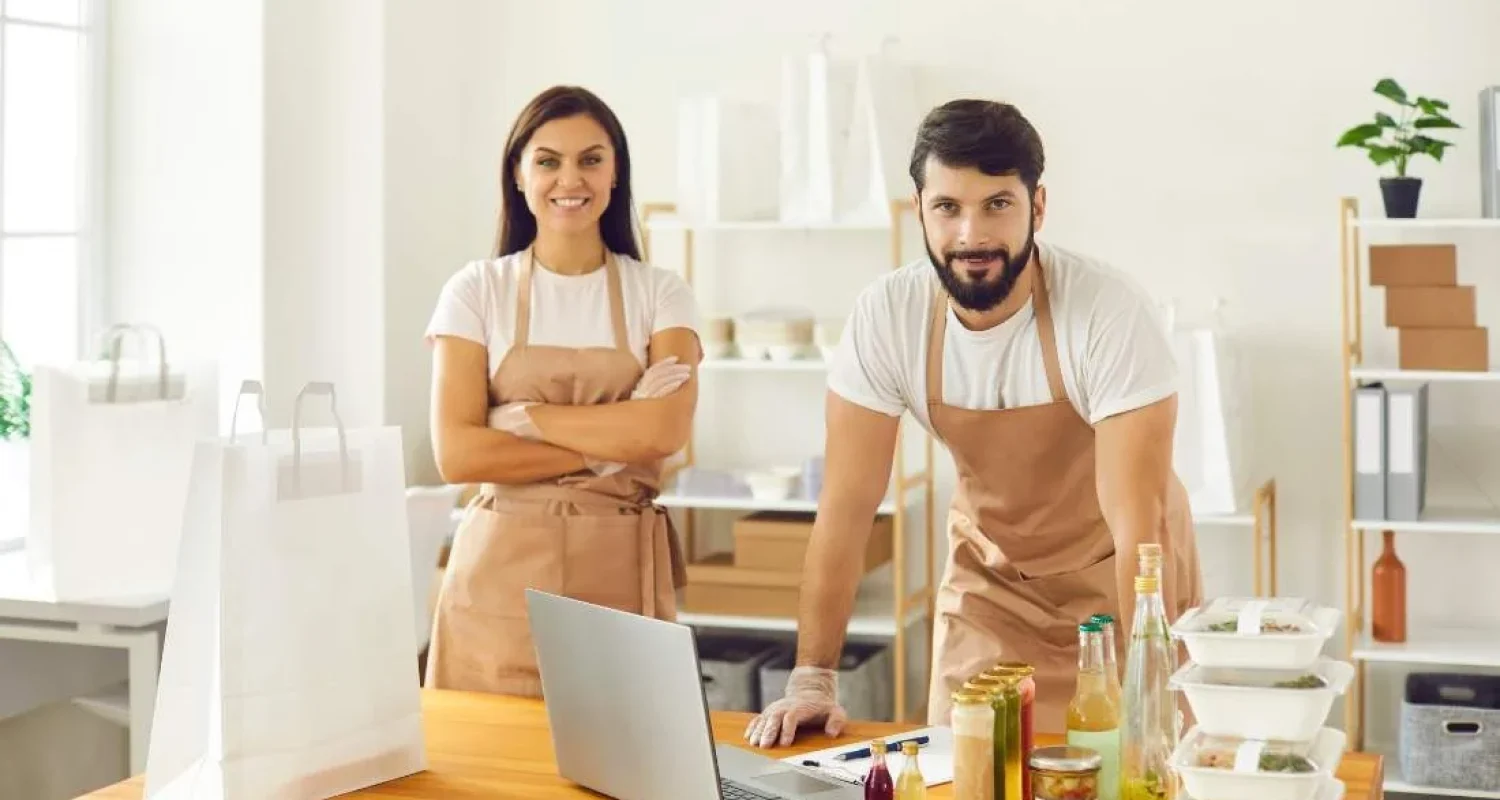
pixel 986 255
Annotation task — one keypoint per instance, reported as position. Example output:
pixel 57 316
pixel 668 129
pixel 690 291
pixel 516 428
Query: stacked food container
pixel 1260 691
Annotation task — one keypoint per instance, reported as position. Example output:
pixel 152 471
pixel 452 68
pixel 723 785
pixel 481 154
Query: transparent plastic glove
pixel 603 469
pixel 661 379
pixel 513 419
pixel 811 697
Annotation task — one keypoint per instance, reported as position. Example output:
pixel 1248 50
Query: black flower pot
pixel 1400 195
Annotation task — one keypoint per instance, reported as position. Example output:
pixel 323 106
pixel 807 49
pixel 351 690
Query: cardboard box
pixel 1430 307
pixel 1414 265
pixel 716 586
pixel 773 540
pixel 1445 348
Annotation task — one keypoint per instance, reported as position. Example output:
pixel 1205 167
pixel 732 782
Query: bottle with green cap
pixel 1106 625
pixel 1094 711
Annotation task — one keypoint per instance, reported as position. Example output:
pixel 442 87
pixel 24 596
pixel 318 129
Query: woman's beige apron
pixel 1030 555
pixel 595 539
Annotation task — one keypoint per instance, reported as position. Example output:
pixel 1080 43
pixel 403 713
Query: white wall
pixel 185 178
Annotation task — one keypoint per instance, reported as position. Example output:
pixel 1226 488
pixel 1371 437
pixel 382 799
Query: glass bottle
pixel 911 785
pixel 1148 733
pixel 990 685
pixel 1388 594
pixel 1015 754
pixel 1111 655
pixel 1094 711
pixel 878 783
pixel 1027 689
pixel 973 723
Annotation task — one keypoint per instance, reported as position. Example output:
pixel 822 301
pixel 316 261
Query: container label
pixel 1247 756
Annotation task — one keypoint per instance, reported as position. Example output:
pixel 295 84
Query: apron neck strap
pixel 937 328
pixel 523 301
pixel 616 301
pixel 1045 331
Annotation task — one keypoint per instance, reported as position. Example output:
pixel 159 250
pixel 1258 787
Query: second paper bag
pixel 289 667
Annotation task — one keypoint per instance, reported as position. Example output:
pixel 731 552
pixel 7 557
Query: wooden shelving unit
pixel 884 608
pixel 1425 646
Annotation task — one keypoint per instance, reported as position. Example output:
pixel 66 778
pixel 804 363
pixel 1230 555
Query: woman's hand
pixel 514 420
pixel 661 379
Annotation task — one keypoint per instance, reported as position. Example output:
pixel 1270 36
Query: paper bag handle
pixel 113 337
pixel 318 387
pixel 255 388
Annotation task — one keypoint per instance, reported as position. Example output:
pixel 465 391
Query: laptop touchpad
pixel 792 783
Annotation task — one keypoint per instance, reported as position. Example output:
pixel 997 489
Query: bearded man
pixel 1050 379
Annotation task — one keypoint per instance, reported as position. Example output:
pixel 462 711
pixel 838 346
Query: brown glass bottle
pixel 1388 594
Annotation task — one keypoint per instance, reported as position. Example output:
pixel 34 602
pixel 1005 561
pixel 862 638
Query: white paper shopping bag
pixel 111 447
pixel 289 667
pixel 817 95
pixel 1211 448
pixel 882 128
pixel 723 146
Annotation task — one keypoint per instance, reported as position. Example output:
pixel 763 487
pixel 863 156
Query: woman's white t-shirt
pixel 1113 348
pixel 479 304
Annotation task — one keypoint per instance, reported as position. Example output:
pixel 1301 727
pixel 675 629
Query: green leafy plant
pixel 15 397
pixel 1396 140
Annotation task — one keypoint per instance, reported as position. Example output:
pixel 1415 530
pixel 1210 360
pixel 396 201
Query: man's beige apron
pixel 595 539
pixel 1030 555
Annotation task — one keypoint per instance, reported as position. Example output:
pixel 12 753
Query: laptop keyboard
pixel 733 791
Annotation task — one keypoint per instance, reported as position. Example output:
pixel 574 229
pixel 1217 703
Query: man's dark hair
pixel 993 137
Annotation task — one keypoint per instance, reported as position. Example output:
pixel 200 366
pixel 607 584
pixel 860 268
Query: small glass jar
pixel 1065 773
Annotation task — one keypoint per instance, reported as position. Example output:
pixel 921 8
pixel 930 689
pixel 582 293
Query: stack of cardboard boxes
pixel 1434 316
pixel 763 574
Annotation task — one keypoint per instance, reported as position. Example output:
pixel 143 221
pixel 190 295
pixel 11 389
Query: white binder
pixel 1370 455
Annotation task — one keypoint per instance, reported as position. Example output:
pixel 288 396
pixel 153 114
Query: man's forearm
pixel 1139 517
pixel 830 581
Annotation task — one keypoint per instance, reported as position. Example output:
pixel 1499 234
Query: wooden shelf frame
pixel 907 600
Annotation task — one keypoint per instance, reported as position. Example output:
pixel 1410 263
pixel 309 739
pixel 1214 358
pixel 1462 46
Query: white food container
pixel 1247 703
pixel 1333 789
pixel 776 483
pixel 1229 633
pixel 1243 780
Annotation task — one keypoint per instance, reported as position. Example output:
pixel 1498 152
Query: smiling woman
pixel 564 374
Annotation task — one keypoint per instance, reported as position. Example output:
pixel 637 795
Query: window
pixel 50 132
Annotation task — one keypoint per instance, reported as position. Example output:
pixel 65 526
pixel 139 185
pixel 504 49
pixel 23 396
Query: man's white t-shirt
pixel 479 304
pixel 1113 349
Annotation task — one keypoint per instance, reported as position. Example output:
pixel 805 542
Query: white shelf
pixel 1225 520
pixel 1457 647
pixel 1429 222
pixel 673 499
pixel 1394 783
pixel 112 704
pixel 1431 375
pixel 874 616
pixel 677 224
pixel 1438 519
pixel 765 365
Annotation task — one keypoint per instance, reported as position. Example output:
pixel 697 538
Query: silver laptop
pixel 629 718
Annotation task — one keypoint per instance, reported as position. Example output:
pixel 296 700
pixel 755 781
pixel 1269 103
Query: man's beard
pixel 985 295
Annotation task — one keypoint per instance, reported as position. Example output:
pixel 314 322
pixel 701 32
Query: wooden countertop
pixel 489 746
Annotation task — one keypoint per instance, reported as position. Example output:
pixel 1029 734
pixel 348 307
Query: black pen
pixel 890 747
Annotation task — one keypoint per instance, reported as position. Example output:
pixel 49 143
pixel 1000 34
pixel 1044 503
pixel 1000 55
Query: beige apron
pixel 595 539
pixel 1030 555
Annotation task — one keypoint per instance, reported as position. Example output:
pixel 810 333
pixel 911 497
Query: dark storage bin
pixel 1450 731
pixel 730 666
pixel 866 682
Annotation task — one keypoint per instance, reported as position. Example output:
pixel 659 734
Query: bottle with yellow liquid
pixel 911 785
pixel 1094 711
pixel 1148 719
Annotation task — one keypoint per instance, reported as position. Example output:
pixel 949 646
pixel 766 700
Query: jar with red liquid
pixel 1027 687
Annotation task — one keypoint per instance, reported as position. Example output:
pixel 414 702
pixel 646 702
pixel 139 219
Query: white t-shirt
pixel 479 303
pixel 1113 348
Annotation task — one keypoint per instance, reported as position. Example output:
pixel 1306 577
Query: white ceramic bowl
pixel 1245 703
pixel 776 483
pixel 1214 783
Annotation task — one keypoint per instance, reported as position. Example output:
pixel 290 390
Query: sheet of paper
pixel 934 758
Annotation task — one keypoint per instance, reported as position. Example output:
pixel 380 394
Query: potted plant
pixel 1396 140
pixel 15 450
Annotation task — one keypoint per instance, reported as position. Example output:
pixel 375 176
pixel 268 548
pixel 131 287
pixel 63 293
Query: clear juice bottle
pixel 1149 721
